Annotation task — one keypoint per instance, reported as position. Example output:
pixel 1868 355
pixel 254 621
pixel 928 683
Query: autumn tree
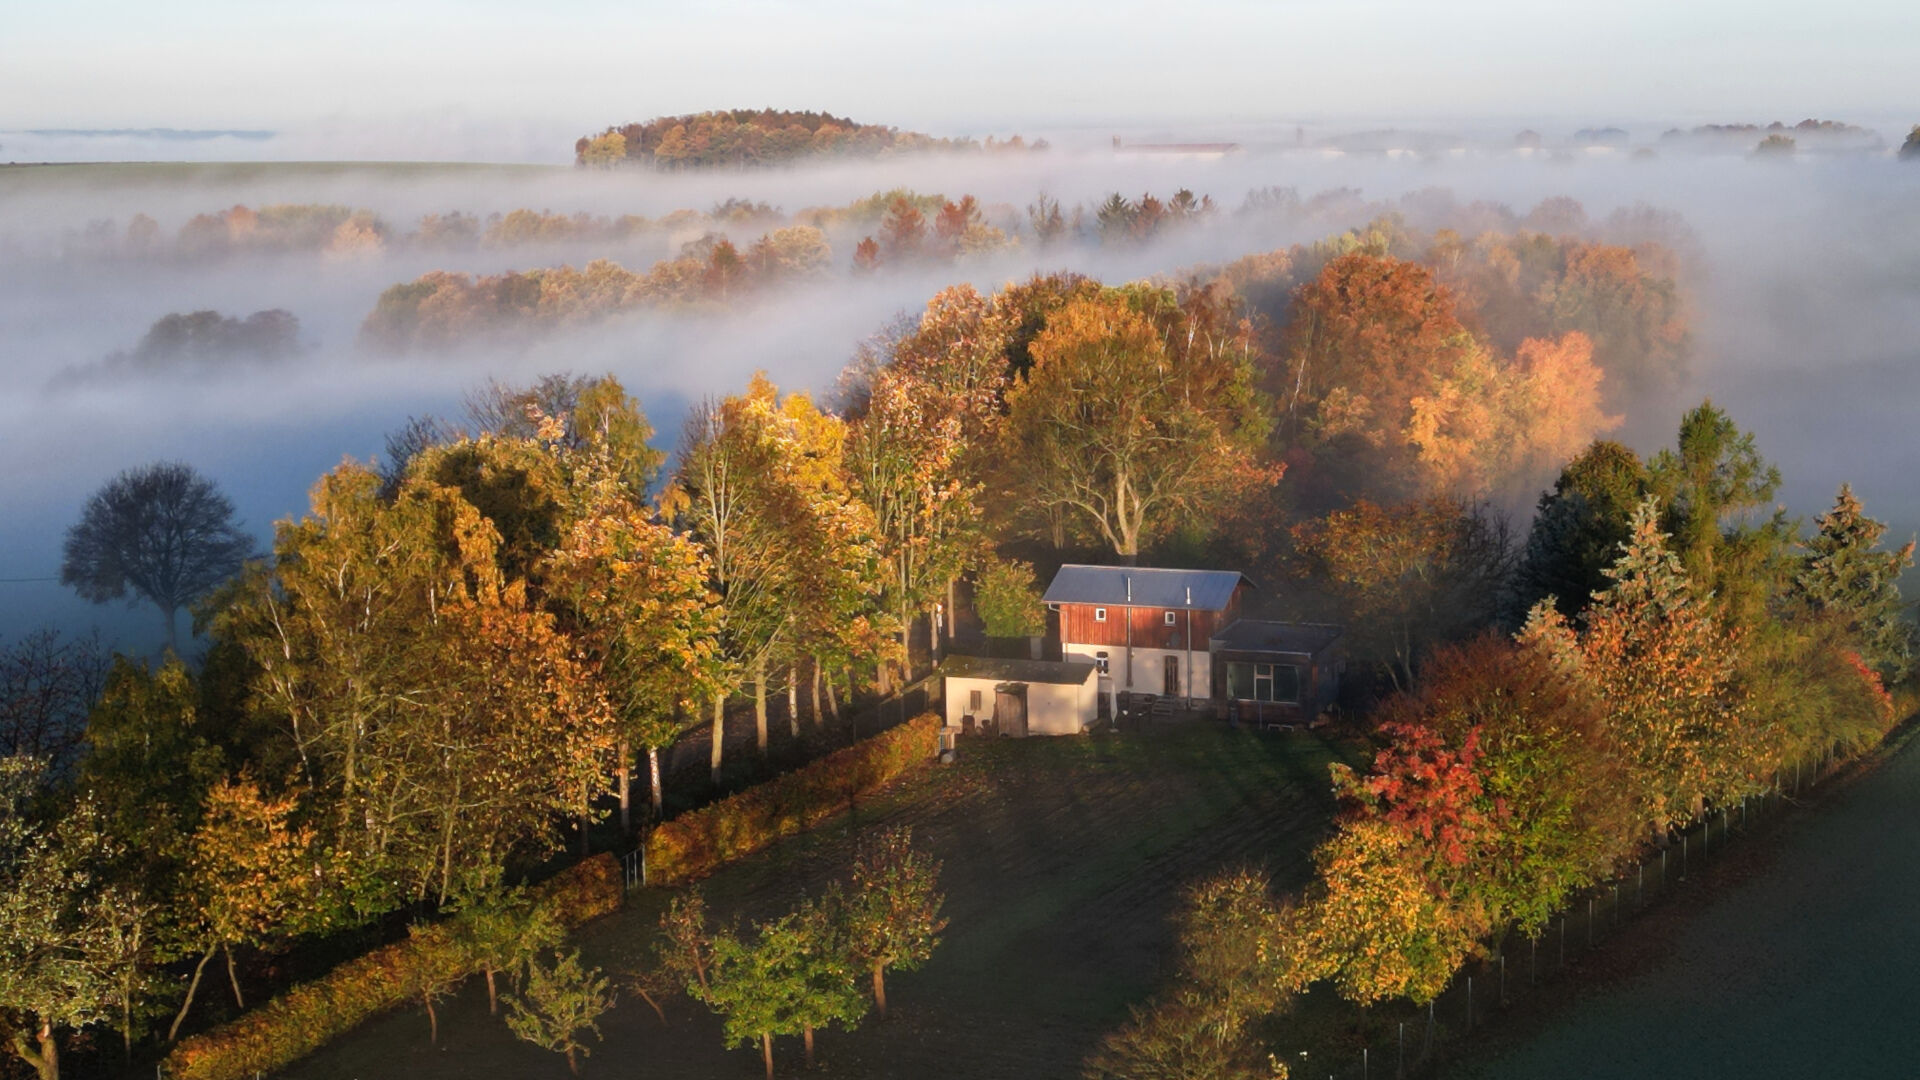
pixel 903 233
pixel 251 881
pixel 685 946
pixel 1655 652
pixel 636 595
pixel 1008 600
pixel 789 978
pixel 439 719
pixel 1500 769
pixel 595 413
pixel 921 416
pixel 162 531
pixel 1129 434
pixel 560 1006
pixel 1410 576
pixel 1910 150
pixel 1376 925
pixel 56 946
pixel 501 929
pixel 759 488
pixel 892 913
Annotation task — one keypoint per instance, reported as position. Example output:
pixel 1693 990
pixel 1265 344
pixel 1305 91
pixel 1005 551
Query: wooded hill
pixel 746 137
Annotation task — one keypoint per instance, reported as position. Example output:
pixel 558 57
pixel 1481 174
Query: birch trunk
pixel 793 699
pixel 760 705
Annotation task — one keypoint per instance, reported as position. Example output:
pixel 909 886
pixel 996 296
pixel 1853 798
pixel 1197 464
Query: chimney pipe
pixel 1189 596
pixel 1129 580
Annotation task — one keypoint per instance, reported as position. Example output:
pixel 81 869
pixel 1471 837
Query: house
pixel 1276 672
pixel 1147 630
pixel 1020 697
pixel 1179 634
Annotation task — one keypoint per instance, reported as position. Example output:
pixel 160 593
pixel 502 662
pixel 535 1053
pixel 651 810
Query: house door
pixel 1173 676
pixel 1010 710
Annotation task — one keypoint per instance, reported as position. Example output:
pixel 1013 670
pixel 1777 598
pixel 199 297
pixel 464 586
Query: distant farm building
pixel 1209 151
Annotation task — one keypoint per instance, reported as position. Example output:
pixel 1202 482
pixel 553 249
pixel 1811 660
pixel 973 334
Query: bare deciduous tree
pixel 161 530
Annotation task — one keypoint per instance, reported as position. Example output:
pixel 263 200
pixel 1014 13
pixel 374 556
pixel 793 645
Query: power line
pixel 23 580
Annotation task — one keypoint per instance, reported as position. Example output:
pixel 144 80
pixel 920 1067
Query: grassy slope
pixel 1063 860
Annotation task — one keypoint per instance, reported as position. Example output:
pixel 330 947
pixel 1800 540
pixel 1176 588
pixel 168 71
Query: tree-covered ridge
pixel 440 309
pixel 749 137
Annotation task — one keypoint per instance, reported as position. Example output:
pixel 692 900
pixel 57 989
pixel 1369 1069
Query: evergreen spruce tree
pixel 1842 574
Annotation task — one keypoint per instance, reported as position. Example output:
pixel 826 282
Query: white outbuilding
pixel 1020 697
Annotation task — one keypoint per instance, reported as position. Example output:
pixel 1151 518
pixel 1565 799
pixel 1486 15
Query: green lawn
pixel 1063 860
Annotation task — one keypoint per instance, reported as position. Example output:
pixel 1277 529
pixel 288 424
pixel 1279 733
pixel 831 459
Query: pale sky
pixel 485 66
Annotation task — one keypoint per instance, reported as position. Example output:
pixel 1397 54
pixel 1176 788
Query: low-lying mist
pixel 1802 282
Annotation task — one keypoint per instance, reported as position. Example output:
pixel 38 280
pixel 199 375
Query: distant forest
pixel 746 137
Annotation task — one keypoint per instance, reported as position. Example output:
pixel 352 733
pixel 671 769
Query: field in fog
pixel 1801 292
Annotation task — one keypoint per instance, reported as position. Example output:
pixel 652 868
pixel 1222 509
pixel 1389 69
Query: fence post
pixel 1469 1003
pixel 1533 960
pixel 1366 1065
pixel 1503 979
pixel 1589 922
pixel 1400 1069
pixel 1429 1052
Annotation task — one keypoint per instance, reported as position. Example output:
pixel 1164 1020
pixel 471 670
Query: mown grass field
pixel 1063 862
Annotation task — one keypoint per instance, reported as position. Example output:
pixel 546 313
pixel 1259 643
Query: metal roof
pixel 1260 635
pixel 1201 590
pixel 1069 672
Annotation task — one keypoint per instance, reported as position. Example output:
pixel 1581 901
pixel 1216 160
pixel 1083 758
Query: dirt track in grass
pixel 1063 861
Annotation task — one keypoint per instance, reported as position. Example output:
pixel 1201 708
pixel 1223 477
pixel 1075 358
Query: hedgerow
pixel 694 844
pixel 312 1014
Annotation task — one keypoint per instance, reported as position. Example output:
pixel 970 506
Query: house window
pixel 1169 618
pixel 1099 614
pixel 1278 683
pixel 1100 661
pixel 973 701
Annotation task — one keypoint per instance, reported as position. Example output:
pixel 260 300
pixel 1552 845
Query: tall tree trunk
pixel 793 699
pixel 953 607
pixel 433 1021
pixel 760 704
pixel 625 779
pixel 493 994
pixel 833 699
pixel 806 1033
pixel 192 985
pixel 880 989
pixel 573 1061
pixel 766 1051
pixel 234 978
pixel 816 691
pixel 45 1060
pixel 173 635
pixel 653 781
pixel 719 739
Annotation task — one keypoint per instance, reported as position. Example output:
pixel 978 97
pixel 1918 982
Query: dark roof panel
pixel 1201 590
pixel 1067 673
pixel 1260 635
